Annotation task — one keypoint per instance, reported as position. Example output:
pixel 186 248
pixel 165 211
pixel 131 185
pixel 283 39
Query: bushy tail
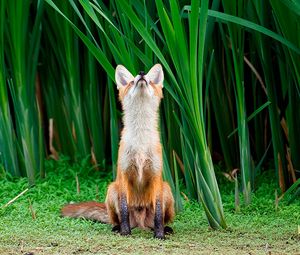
pixel 87 210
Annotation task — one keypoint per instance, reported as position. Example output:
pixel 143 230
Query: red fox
pixel 138 197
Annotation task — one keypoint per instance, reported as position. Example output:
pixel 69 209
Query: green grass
pixel 257 229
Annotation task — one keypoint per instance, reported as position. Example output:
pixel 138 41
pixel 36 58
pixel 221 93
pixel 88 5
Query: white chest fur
pixel 140 135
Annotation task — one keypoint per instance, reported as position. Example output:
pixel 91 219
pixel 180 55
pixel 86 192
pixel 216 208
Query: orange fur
pixel 88 210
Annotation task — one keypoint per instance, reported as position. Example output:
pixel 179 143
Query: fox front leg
pixel 124 215
pixel 159 221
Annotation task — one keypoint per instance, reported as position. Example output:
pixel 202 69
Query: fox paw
pixel 159 235
pixel 116 229
pixel 125 230
pixel 168 230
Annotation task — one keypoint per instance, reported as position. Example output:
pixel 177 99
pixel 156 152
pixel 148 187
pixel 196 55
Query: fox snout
pixel 141 79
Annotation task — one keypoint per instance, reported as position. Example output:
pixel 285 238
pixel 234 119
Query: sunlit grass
pixel 257 229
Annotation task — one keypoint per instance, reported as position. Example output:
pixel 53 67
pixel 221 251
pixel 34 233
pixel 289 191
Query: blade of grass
pixel 223 17
pixel 23 39
pixel 8 153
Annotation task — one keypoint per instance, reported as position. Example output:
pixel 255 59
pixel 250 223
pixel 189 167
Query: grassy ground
pixel 258 229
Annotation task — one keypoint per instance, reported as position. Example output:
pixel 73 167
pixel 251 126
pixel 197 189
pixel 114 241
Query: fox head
pixel 143 89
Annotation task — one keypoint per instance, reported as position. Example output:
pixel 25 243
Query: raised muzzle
pixel 142 80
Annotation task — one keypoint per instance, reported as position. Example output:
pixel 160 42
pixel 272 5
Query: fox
pixel 139 197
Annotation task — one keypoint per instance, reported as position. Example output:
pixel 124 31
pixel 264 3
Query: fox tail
pixel 88 210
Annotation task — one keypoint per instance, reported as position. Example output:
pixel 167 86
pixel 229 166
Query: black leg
pixel 158 221
pixel 125 225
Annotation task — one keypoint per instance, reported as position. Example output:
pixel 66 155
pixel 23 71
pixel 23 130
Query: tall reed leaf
pixel 8 152
pixel 237 48
pixel 290 73
pixel 265 56
pixel 23 37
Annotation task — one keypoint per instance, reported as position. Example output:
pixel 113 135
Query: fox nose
pixel 142 73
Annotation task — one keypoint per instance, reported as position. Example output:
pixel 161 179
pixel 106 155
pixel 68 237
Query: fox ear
pixel 156 74
pixel 122 76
